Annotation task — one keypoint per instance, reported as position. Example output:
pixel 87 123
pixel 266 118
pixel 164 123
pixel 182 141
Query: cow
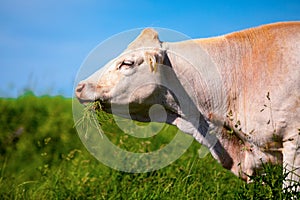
pixel 238 94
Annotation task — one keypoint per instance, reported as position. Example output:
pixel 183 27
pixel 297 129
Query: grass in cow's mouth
pixel 102 116
pixel 89 110
pixel 96 105
pixel 87 116
pixel 92 114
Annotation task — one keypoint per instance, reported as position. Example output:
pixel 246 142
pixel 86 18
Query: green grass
pixel 42 157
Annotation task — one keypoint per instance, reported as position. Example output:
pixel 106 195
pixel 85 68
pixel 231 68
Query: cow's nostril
pixel 79 89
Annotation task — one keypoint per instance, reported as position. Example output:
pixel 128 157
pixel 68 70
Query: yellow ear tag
pixel 152 63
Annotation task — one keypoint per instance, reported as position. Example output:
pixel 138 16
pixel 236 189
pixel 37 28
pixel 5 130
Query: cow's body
pixel 260 69
pixel 252 104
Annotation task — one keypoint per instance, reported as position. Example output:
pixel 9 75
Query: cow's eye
pixel 126 63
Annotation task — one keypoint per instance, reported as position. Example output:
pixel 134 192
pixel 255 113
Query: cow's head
pixel 150 72
pixel 134 81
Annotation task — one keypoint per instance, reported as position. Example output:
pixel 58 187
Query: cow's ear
pixel 154 58
pixel 149 34
pixel 147 38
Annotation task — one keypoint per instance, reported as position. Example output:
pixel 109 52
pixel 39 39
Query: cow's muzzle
pixel 79 93
pixel 88 93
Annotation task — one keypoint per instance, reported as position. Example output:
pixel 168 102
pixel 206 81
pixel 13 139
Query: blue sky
pixel 44 43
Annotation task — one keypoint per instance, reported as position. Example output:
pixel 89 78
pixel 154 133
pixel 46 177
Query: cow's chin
pixel 85 102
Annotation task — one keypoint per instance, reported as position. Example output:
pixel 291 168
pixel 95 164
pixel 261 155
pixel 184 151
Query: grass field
pixel 42 157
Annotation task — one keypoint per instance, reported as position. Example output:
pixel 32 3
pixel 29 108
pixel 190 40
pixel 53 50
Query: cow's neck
pixel 199 76
pixel 203 70
pixel 192 63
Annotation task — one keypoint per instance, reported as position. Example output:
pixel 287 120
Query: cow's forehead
pixel 147 38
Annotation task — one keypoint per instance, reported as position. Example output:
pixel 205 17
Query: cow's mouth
pixel 98 105
pixel 95 105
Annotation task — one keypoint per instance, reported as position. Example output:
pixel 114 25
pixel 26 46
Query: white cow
pixel 238 94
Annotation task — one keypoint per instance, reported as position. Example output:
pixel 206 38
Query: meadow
pixel 42 157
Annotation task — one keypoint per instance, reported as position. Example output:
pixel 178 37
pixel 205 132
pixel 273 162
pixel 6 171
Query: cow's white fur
pixel 243 86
